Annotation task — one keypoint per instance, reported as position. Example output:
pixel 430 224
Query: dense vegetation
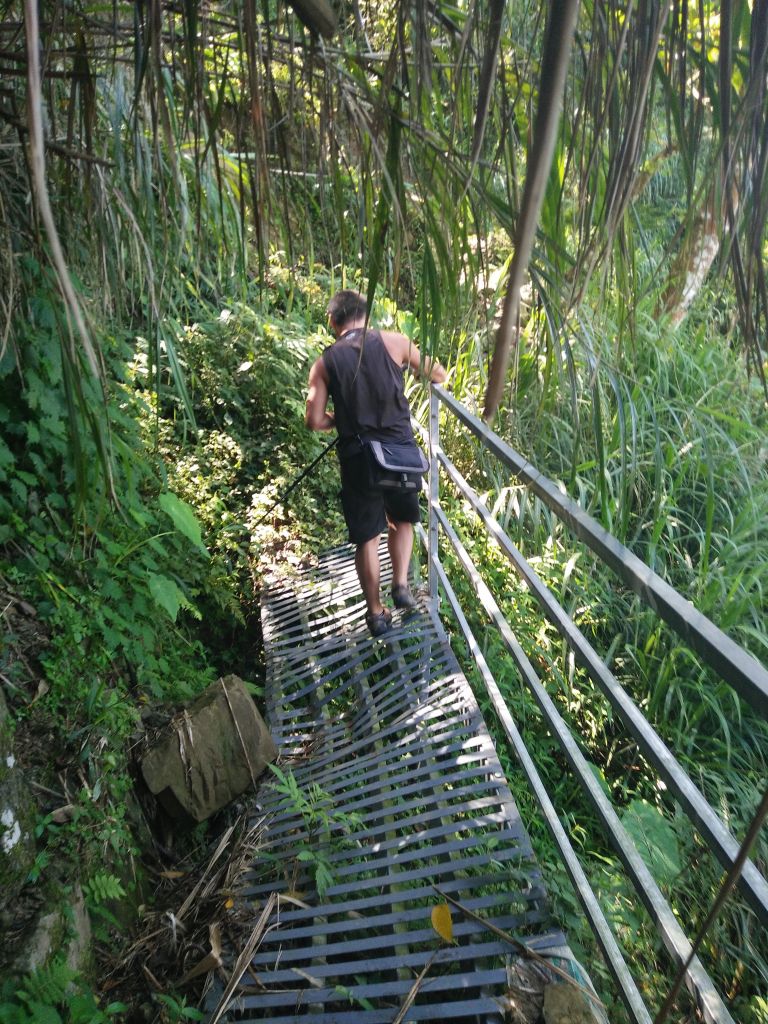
pixel 181 189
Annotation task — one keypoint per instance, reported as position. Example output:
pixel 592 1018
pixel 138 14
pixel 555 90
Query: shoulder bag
pixel 394 465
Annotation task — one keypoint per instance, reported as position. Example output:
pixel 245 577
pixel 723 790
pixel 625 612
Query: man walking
pixel 362 373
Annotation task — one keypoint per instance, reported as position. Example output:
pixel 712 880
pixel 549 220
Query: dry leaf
pixel 42 689
pixel 214 933
pixel 286 897
pixel 441 921
pixel 207 964
pixel 63 814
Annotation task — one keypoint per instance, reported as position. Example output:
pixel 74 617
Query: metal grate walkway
pixel 388 730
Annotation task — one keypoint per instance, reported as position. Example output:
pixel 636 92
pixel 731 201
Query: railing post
pixel 434 493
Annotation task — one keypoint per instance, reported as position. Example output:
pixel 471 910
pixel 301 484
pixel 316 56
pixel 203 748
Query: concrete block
pixel 211 753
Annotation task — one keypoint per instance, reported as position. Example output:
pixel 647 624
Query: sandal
pixel 402 597
pixel 379 624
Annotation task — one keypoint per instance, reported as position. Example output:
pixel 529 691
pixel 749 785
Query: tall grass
pixel 664 442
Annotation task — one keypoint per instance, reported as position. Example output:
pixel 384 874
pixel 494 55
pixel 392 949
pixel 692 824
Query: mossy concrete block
pixel 17 815
pixel 211 753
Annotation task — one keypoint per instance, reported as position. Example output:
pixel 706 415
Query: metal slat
pixel 412 960
pixel 417 820
pixel 380 775
pixel 477 1008
pixel 448 885
pixel 481 1007
pixel 349 947
pixel 396 854
pixel 411 819
pixel 386 989
pixel 353 920
pixel 363 745
pixel 378 779
pixel 293 929
pixel 613 954
pixel 411 828
pixel 427 872
pixel 358 661
pixel 371 805
pixel 354 663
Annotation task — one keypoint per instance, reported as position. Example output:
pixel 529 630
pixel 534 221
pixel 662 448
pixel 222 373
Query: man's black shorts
pixel 365 509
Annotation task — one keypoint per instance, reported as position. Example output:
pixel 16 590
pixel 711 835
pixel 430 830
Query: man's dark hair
pixel 346 306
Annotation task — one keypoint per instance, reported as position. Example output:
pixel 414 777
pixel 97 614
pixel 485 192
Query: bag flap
pixel 399 456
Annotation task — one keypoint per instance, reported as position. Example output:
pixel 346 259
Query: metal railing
pixel 738 668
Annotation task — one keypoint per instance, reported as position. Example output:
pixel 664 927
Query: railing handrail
pixel 737 667
pixel 734 664
pixel 718 838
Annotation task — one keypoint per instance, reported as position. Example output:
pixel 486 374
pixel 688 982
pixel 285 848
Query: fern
pixel 39 996
pixel 48 985
pixel 102 888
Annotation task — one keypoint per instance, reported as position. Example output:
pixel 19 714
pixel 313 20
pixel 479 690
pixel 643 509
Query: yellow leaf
pixel 441 921
pixel 230 903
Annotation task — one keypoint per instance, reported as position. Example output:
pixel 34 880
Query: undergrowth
pixel 652 453
pixel 141 601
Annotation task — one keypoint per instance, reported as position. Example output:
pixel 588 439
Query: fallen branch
pixel 521 947
pixel 245 957
pixel 414 990
pixel 192 897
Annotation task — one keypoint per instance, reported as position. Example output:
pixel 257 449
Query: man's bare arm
pixel 317 416
pixel 403 350
pixel 431 369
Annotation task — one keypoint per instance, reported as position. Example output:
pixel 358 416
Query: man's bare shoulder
pixel 317 369
pixel 398 346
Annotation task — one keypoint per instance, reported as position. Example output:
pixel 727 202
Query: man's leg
pixel 402 512
pixel 367 565
pixel 364 516
pixel 400 543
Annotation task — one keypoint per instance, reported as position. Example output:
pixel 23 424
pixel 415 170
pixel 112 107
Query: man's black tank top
pixel 366 386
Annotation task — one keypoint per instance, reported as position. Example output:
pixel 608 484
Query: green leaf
pixel 184 518
pixel 41 1013
pixel 10 1014
pixel 6 459
pixel 597 772
pixel 166 593
pixel 83 1009
pixel 103 887
pixel 654 838
pixel 759 1010
pixel 323 879
pixel 19 489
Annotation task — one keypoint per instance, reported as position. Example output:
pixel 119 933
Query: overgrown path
pixel 390 789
